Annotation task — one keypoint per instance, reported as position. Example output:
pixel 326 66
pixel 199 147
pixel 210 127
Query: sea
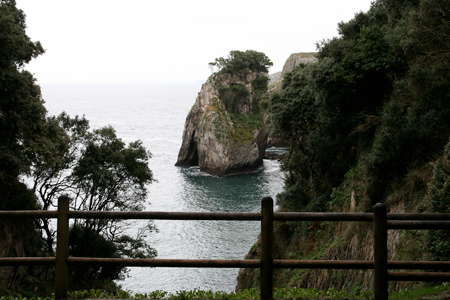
pixel 155 114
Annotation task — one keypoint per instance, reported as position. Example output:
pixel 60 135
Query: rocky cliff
pixel 296 59
pixel 293 61
pixel 224 132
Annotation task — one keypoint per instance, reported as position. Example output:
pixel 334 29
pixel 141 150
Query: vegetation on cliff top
pixel 234 89
pixel 241 62
pixel 242 95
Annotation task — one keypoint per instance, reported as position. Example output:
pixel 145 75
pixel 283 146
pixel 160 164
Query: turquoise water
pixel 156 114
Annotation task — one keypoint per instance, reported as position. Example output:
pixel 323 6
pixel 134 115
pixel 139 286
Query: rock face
pixel 224 132
pixel 275 77
pixel 298 58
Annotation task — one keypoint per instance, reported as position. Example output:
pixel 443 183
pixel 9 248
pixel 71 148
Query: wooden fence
pixel 382 222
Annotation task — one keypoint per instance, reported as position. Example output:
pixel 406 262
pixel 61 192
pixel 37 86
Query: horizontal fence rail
pixel 381 220
pixel 319 216
pixel 43 214
pixel 418 225
pixel 159 215
pixel 418 276
pixel 242 216
pixel 243 263
pixel 168 263
pixel 18 261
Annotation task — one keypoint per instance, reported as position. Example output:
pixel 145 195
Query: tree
pixel 60 155
pixel 379 94
pixel 22 113
pixel 22 116
pixel 366 124
pixel 99 172
pixel 242 61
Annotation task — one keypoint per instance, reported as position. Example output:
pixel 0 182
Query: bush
pixel 85 242
pixel 233 95
pixel 241 62
pixel 379 95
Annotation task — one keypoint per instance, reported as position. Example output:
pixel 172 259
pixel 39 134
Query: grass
pixel 418 293
pixel 279 293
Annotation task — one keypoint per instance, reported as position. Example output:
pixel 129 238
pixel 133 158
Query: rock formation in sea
pixel 224 132
pixel 229 125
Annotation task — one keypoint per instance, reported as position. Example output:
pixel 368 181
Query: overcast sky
pixel 169 41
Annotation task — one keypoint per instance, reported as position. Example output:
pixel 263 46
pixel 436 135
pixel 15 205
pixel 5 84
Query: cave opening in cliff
pixel 193 160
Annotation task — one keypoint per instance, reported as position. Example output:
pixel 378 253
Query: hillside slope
pixel 369 122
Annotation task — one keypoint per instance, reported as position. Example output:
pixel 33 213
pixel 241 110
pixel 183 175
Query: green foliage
pixel 236 127
pixel 260 85
pixel 259 88
pixel 22 119
pixel 60 155
pixel 245 126
pixel 246 294
pixel 97 293
pixel 99 172
pixel 238 114
pixel 233 95
pixel 158 294
pixel 17 48
pixel 22 114
pixel 439 194
pixel 368 121
pixel 419 292
pixel 239 62
pixel 91 276
pixel 279 293
pixel 238 98
pixel 379 95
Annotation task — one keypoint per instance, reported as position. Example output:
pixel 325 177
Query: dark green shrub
pixel 234 95
pixel 84 242
pixel 239 62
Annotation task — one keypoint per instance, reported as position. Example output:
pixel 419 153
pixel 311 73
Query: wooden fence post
pixel 62 249
pixel 266 281
pixel 380 252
